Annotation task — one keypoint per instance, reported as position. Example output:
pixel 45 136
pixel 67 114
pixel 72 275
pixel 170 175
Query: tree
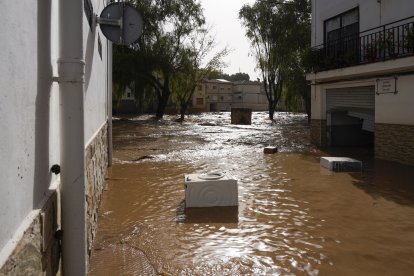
pixel 217 74
pixel 239 77
pixel 198 62
pixel 157 54
pixel 297 16
pixel 272 27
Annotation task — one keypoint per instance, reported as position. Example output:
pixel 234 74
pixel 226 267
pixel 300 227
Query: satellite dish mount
pixel 120 23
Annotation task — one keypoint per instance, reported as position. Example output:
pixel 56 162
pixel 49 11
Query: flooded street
pixel 293 218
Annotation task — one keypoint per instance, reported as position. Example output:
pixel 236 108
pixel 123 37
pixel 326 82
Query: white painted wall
pixel 318 95
pixel 19 84
pixel 251 95
pixel 397 108
pixel 318 103
pixel 95 77
pixel 29 106
pixel 373 13
pixel 389 108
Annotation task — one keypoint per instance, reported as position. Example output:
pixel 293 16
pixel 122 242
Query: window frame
pixel 325 42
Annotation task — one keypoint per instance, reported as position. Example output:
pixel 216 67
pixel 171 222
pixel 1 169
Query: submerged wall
pixel 96 161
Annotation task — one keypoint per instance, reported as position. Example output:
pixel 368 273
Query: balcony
pixel 386 42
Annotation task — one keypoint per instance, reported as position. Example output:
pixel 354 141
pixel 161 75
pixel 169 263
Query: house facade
pixel 198 100
pixel 55 109
pixel 215 95
pixel 363 76
pixel 219 95
pixel 249 94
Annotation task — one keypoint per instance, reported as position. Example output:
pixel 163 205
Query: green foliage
pixel 233 77
pixel 154 58
pixel 409 38
pixel 198 61
pixel 279 32
pixel 311 59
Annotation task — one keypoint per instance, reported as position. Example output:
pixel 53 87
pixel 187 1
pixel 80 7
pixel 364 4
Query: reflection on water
pixel 293 218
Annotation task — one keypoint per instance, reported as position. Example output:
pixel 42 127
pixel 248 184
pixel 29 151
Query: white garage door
pixel 359 102
pixel 355 97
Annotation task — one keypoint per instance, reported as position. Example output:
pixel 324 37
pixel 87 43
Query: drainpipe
pixel 71 68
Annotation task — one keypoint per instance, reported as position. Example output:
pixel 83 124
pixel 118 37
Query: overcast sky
pixel 223 16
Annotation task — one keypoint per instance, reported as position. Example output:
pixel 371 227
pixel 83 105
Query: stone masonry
pixel 38 252
pixel 395 143
pixel 96 162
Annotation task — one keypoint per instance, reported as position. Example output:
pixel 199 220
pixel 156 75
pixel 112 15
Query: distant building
pixel 221 95
pixel 211 95
pixel 198 101
pixel 363 77
pixel 250 94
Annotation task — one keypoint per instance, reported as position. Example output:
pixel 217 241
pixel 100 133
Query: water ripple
pixel 292 219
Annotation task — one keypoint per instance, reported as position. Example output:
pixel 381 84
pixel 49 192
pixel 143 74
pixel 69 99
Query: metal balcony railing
pixel 390 41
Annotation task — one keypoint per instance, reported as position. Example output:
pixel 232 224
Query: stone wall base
pixel 96 162
pixel 395 143
pixel 318 133
pixel 38 251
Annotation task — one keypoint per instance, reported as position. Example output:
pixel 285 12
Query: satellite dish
pixel 121 23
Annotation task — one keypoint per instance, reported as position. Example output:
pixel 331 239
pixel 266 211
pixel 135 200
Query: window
pixel 129 95
pixel 199 87
pixel 342 26
pixel 221 98
pixel 342 31
pixel 199 101
pixel 214 87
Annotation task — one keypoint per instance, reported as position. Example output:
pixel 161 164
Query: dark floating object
pixel 241 116
pixel 270 150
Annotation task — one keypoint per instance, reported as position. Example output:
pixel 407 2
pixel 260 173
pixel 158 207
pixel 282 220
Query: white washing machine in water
pixel 341 164
pixel 209 190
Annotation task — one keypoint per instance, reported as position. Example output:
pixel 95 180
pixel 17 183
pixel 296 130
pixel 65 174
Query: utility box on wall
pixel 210 190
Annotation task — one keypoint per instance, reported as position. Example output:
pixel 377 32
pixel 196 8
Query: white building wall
pixel 30 108
pixel 389 108
pixel 318 95
pixel 24 98
pixel 373 13
pixel 251 96
pixel 95 93
pixel 397 108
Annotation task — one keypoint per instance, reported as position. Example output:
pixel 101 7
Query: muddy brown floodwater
pixel 293 218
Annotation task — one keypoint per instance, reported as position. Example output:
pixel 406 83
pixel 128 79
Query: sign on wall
pixel 386 86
